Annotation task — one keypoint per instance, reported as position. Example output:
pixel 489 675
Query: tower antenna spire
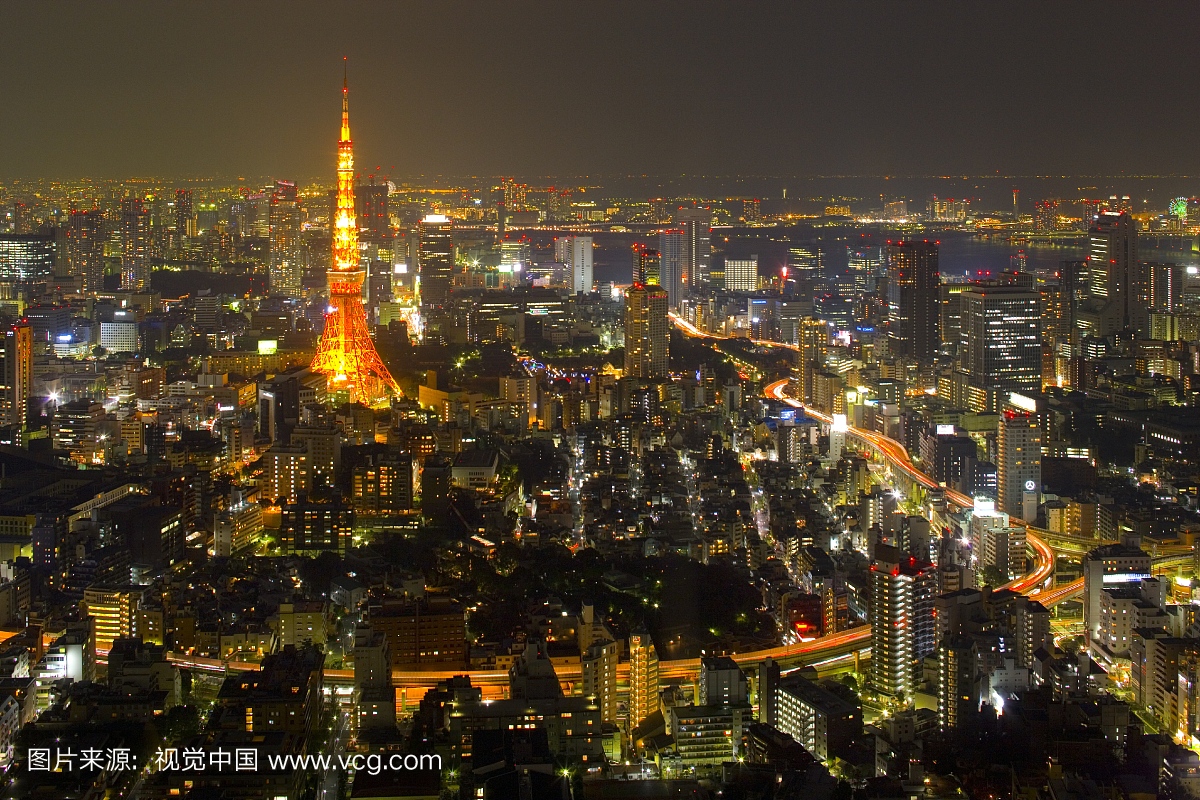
pixel 346 355
pixel 345 99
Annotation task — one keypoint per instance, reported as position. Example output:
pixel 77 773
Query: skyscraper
pixel 1001 348
pixel 346 354
pixel 902 621
pixel 185 219
pixel 741 274
pixel 85 248
pixel 647 332
pixel 1165 286
pixel 1019 470
pixel 26 257
pixel 436 259
pixel 135 245
pixel 697 230
pixel 579 252
pixel 16 379
pixel 374 220
pixel 673 245
pixel 813 335
pixel 286 260
pixel 912 294
pixel 1114 287
pixel 643 677
pixel 648 269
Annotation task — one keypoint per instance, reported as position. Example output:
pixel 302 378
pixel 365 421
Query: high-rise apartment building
pixel 902 620
pixel 1019 470
pixel 136 245
pixel 435 259
pixel 384 486
pixel 374 694
pixel 286 472
pixel 741 274
pixel 673 247
pixel 643 677
pixel 85 248
pixel 578 258
pixel 697 231
pixel 1164 286
pixel 647 332
pixel 913 281
pixel 1001 346
pixel 286 251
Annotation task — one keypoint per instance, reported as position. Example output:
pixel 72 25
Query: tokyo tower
pixel 346 355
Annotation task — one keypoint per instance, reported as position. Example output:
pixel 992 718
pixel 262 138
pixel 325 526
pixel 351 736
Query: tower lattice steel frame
pixel 346 354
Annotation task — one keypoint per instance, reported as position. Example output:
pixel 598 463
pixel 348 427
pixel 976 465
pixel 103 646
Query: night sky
pixel 189 89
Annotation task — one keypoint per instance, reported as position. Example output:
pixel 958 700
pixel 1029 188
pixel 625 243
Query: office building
pixel 16 379
pixel 435 259
pixel 185 217
pixel 998 546
pixel 374 217
pixel 286 266
pixel 1108 566
pixel 136 245
pixel 1114 285
pixel 675 278
pixel 1001 347
pixel 647 332
pixel 902 621
pixel 114 610
pixel 648 266
pixel 643 677
pixel 913 281
pixel 27 257
pixel 1019 467
pixel 741 274
pixel 85 248
pixel 120 335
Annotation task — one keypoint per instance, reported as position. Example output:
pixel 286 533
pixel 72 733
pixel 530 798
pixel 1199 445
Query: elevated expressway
pixel 412 684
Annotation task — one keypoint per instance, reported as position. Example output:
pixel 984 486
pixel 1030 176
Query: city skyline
pixel 683 478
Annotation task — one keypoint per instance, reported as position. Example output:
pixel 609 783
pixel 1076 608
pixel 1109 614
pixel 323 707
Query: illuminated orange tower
pixel 346 354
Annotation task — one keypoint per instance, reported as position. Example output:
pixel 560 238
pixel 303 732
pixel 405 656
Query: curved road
pixel 836 644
